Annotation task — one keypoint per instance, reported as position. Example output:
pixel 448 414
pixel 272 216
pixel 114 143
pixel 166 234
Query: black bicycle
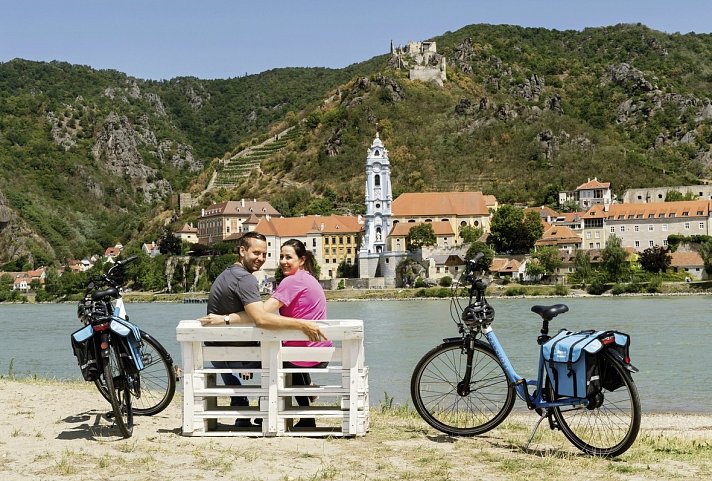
pixel 130 368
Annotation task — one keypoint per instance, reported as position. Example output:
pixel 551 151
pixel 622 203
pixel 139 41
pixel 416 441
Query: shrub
pixel 561 290
pixel 597 287
pixel 655 285
pixel 445 281
pixel 514 291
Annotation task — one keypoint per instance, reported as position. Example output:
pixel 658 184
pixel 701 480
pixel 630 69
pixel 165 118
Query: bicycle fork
pixel 463 387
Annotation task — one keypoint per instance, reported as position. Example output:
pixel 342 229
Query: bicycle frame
pixel 535 400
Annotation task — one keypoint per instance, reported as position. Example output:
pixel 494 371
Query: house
pixel 152 249
pixel 561 237
pixel 332 239
pixel 112 253
pixel 188 233
pixel 441 265
pixel 588 194
pixel 640 226
pixel 444 235
pixel 457 208
pixel 690 262
pixel 23 281
pixel 219 221
pixel 510 267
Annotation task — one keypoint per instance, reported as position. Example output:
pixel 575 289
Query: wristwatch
pixel 226 318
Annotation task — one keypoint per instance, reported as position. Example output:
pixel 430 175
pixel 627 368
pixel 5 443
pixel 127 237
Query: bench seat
pixel 342 386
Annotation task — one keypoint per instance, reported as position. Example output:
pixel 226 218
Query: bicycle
pixel 467 386
pixel 129 367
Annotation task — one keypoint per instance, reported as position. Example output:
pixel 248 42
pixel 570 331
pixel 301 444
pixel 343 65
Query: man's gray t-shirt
pixel 232 291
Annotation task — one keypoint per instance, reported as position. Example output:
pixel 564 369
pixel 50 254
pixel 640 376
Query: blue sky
pixel 163 39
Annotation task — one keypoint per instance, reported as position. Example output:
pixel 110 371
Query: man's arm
pixel 269 320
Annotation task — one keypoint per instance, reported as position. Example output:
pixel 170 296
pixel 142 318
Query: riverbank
pixel 53 430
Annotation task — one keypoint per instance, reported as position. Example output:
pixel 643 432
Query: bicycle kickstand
pixel 544 414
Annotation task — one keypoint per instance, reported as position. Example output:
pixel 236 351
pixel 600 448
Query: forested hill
pixel 90 157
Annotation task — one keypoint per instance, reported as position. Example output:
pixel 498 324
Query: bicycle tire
pixel 158 379
pixel 434 390
pixel 609 429
pixel 118 386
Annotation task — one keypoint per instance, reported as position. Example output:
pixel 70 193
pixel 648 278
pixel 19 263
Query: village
pixel 369 247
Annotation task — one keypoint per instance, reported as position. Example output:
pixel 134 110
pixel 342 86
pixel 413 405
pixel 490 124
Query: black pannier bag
pixel 84 349
pixel 619 343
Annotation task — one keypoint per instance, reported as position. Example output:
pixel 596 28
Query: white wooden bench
pixel 341 387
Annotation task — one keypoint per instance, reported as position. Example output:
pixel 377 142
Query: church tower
pixel 378 199
pixel 375 262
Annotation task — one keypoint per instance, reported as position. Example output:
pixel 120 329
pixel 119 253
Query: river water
pixel 670 339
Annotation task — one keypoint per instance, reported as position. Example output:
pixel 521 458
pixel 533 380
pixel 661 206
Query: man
pixel 236 290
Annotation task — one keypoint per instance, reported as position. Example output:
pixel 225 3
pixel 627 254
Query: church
pixel 376 262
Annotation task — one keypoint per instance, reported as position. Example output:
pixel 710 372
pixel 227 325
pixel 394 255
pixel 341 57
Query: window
pixel 651 228
pixel 664 227
pixel 613 230
pixel 684 213
pixel 588 235
pixel 377 180
pixel 341 239
pixel 702 225
pixel 665 242
pixel 622 228
pixel 590 245
pixel 637 243
pixel 314 242
pixel 651 243
pixel 636 228
pixel 326 241
pixel 687 226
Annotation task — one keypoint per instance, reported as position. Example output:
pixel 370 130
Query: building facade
pixel 220 221
pixel 589 194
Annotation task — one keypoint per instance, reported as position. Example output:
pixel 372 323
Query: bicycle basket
pixel 479 313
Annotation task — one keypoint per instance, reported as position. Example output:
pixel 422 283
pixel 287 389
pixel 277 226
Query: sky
pixel 209 39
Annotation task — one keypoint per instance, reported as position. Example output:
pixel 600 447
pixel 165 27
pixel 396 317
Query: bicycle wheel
pixel 461 412
pixel 158 379
pixel 610 425
pixel 118 384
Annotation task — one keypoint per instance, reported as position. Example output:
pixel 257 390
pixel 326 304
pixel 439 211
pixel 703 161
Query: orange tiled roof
pixel 594 184
pixel 683 259
pixel 301 226
pixel 559 234
pixel 440 204
pixel 658 210
pixel 401 229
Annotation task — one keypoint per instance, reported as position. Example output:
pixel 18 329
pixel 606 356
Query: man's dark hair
pixel 247 238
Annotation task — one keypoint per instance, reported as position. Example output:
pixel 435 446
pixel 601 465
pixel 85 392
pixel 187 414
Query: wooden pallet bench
pixel 342 387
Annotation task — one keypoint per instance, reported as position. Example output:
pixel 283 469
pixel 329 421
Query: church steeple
pixel 378 198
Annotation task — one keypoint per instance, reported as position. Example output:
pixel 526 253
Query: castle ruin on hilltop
pixel 422 60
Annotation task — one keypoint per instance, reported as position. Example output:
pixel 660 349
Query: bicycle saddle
pixel 549 312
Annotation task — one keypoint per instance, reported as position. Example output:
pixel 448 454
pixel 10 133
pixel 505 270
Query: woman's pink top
pixel 302 298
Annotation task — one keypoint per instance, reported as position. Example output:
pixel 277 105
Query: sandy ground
pixel 57 431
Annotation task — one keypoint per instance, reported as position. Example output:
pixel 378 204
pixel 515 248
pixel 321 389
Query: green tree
pixel 582 265
pixel 420 235
pixel 706 254
pixel 613 258
pixel 655 259
pixel 486 261
pixel 169 243
pixel 470 233
pixel 514 232
pixel 549 258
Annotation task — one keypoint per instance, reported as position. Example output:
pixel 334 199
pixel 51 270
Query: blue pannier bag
pixel 85 351
pixel 572 363
pixel 131 336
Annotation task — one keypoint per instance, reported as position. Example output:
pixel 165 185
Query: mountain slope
pixel 524 113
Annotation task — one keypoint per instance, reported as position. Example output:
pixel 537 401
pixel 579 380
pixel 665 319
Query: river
pixel 670 339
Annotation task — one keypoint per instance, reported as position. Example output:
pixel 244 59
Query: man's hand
pixel 212 320
pixel 312 331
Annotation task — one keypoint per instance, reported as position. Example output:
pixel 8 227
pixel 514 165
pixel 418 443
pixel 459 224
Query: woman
pixel 299 295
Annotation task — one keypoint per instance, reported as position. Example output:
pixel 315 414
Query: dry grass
pixel 78 443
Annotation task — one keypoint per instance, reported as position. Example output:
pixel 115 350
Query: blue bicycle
pixel 467 386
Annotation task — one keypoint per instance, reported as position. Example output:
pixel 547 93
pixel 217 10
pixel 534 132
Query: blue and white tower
pixel 378 199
